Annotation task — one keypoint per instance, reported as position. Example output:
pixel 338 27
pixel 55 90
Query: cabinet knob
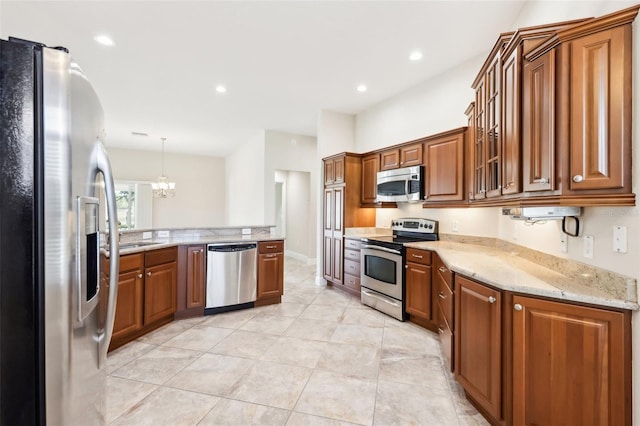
pixel 425 197
pixel 492 299
pixel 417 256
pixel 541 180
pixel 406 266
pixel 441 295
pixel 139 275
pixel 442 269
pixel 578 178
pixel 149 273
pixel 517 307
pixel 441 330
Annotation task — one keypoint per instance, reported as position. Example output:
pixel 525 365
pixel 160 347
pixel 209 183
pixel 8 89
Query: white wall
pixel 439 104
pixel 431 107
pixel 245 184
pixel 199 185
pixel 300 219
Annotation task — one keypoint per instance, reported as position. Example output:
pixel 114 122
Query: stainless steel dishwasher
pixel 231 276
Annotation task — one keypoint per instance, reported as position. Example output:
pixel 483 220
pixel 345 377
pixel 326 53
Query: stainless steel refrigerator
pixel 56 313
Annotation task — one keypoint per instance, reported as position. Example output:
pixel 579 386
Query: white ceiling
pixel 281 62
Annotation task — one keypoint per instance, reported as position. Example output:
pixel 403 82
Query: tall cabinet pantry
pixel 341 209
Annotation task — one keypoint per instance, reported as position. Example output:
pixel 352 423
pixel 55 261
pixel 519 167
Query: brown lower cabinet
pixel 146 294
pixel 525 360
pixel 192 271
pixel 571 364
pixel 270 272
pixel 478 346
pixel 418 286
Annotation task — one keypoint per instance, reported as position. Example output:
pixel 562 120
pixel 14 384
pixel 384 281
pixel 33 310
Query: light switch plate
pixel 587 247
pixel 146 235
pixel 454 226
pixel 619 239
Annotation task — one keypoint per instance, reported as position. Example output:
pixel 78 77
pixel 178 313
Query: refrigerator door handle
pixel 104 166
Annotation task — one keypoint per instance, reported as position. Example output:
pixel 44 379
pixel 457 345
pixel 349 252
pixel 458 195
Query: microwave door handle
pixel 388 250
pixel 407 184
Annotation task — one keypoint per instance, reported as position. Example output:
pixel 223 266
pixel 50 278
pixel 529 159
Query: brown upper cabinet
pixel 487 146
pixel 552 116
pixel 334 171
pixel 404 156
pixel 444 167
pixel 370 169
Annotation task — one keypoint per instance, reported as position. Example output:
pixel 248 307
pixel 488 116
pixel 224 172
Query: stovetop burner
pixel 409 230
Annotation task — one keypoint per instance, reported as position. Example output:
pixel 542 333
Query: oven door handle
pixel 381 297
pixel 388 250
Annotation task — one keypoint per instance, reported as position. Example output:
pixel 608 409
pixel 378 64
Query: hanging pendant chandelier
pixel 163 188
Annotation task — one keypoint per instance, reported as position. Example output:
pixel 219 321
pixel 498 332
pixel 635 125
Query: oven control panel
pixel 426 226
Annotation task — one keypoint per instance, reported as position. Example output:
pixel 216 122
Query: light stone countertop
pixel 507 271
pixel 368 232
pixel 154 244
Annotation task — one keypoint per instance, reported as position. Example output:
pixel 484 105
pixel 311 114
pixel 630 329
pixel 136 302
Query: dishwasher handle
pixel 229 248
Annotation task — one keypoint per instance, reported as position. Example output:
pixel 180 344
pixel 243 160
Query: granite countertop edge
pixel 172 242
pixel 502 270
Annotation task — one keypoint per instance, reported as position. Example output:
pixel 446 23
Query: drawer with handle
pixel 352 244
pixel 271 247
pixel 445 299
pixel 352 255
pixel 352 268
pixel 419 256
pixel 443 271
pixel 352 281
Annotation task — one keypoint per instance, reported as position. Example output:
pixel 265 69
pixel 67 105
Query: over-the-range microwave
pixel 400 185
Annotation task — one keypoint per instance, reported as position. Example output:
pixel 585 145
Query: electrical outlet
pixel 620 239
pixel 515 230
pixel 163 234
pixel 147 235
pixel 564 243
pixel 246 231
pixel 454 226
pixel 587 246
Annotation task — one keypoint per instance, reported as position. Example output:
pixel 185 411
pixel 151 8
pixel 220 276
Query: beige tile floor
pixel 319 358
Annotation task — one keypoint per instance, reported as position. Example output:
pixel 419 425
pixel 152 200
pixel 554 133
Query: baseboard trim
pixel 301 257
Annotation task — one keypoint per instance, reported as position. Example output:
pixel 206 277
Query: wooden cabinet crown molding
pixel 538 34
pixel 585 28
pixel 501 43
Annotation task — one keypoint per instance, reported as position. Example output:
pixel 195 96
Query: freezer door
pixel 75 328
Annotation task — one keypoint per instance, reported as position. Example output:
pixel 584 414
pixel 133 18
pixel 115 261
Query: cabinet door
pixel 370 167
pixel 270 275
pixel 444 159
pixel 478 145
pixel 338 170
pixel 511 123
pixel 129 304
pixel 196 277
pixel 329 175
pixel 478 343
pixel 492 138
pixel 571 364
pixel 600 110
pixel 418 290
pixel 390 159
pixel 160 292
pixel 538 123
pixel 327 233
pixel 470 151
pixel 411 155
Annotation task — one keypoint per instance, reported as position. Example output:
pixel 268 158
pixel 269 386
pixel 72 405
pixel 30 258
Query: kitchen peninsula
pixel 163 274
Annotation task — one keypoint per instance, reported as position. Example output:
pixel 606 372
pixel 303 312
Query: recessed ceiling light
pixel 104 40
pixel 361 88
pixel 220 88
pixel 416 55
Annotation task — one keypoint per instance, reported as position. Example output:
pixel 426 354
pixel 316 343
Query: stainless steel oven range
pixel 382 264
